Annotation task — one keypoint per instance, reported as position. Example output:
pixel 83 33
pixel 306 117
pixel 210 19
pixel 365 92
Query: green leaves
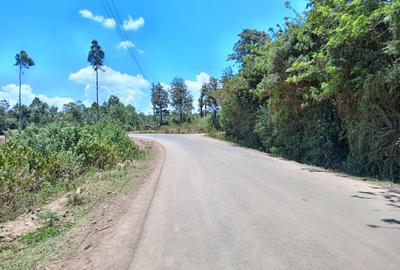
pixel 36 157
pixel 326 87
pixel 96 55
pixel 180 97
pixel 23 60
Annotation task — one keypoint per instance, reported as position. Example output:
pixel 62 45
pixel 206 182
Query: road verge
pixel 108 238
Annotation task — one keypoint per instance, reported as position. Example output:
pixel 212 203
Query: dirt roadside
pixel 107 239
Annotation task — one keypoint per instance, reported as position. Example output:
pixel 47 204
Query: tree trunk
pixel 97 94
pixel 19 100
pixel 180 116
pixel 161 116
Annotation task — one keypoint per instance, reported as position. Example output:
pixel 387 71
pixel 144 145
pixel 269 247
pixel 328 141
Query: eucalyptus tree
pixel 96 60
pixel 160 101
pixel 181 99
pixel 203 99
pixel 23 61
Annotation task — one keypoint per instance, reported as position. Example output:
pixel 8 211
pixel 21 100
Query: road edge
pixel 114 244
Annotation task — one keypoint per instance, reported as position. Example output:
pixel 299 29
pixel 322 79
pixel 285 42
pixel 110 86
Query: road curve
pixel 219 206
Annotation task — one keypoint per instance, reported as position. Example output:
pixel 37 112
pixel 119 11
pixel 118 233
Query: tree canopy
pixel 323 89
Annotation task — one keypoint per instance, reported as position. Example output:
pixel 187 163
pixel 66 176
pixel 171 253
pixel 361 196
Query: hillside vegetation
pixel 322 89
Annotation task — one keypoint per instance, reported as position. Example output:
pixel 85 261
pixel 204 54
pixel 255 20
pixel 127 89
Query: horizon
pixel 167 42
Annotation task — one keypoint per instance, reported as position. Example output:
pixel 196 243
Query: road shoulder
pixel 107 239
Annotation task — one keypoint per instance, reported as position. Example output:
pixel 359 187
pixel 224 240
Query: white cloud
pixel 195 86
pixel 125 44
pixel 140 51
pixel 10 93
pixel 201 78
pixel 129 88
pixel 133 24
pixel 106 22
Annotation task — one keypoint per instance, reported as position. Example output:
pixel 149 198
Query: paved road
pixel 219 206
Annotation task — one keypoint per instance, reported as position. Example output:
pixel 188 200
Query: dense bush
pixel 324 89
pixel 38 157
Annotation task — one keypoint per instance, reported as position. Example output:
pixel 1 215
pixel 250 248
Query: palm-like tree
pixel 96 59
pixel 23 61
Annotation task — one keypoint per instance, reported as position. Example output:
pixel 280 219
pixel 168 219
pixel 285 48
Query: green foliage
pixel 181 99
pixel 96 55
pixel 160 101
pixel 49 218
pixel 23 60
pixel 208 101
pixel 40 235
pixel 37 157
pixel 324 89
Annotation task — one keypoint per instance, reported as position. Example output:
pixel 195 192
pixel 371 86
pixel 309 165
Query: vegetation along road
pixel 219 206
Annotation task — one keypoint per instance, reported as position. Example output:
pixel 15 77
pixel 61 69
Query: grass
pixel 41 234
pixel 217 135
pixel 34 249
pixel 195 124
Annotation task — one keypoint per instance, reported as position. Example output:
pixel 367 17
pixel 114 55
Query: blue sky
pixel 190 39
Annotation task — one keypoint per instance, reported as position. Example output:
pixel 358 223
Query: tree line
pixel 39 111
pixel 324 88
pixel 178 100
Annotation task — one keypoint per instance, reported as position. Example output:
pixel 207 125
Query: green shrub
pixel 38 157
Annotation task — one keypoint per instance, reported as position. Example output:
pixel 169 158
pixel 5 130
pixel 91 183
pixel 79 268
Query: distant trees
pixel 96 59
pixel 40 112
pixel 160 101
pixel 23 61
pixel 4 107
pixel 203 99
pixel 207 101
pixel 180 97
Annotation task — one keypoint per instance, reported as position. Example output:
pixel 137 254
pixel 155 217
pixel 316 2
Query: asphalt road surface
pixel 219 206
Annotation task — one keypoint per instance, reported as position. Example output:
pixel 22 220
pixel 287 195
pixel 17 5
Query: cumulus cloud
pixel 133 24
pixel 106 22
pixel 195 86
pixel 129 88
pixel 10 93
pixel 126 44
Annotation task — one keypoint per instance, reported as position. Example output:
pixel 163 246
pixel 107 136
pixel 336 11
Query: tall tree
pixel 160 101
pixel 4 107
pixel 212 103
pixel 249 39
pixel 96 59
pixel 203 100
pixel 23 61
pixel 181 99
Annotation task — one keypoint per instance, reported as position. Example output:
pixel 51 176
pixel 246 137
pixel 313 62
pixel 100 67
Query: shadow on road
pixel 393 200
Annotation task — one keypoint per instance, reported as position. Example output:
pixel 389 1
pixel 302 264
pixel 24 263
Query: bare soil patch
pixel 30 222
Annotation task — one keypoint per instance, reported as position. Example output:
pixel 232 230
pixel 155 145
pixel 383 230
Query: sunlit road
pixel 218 206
